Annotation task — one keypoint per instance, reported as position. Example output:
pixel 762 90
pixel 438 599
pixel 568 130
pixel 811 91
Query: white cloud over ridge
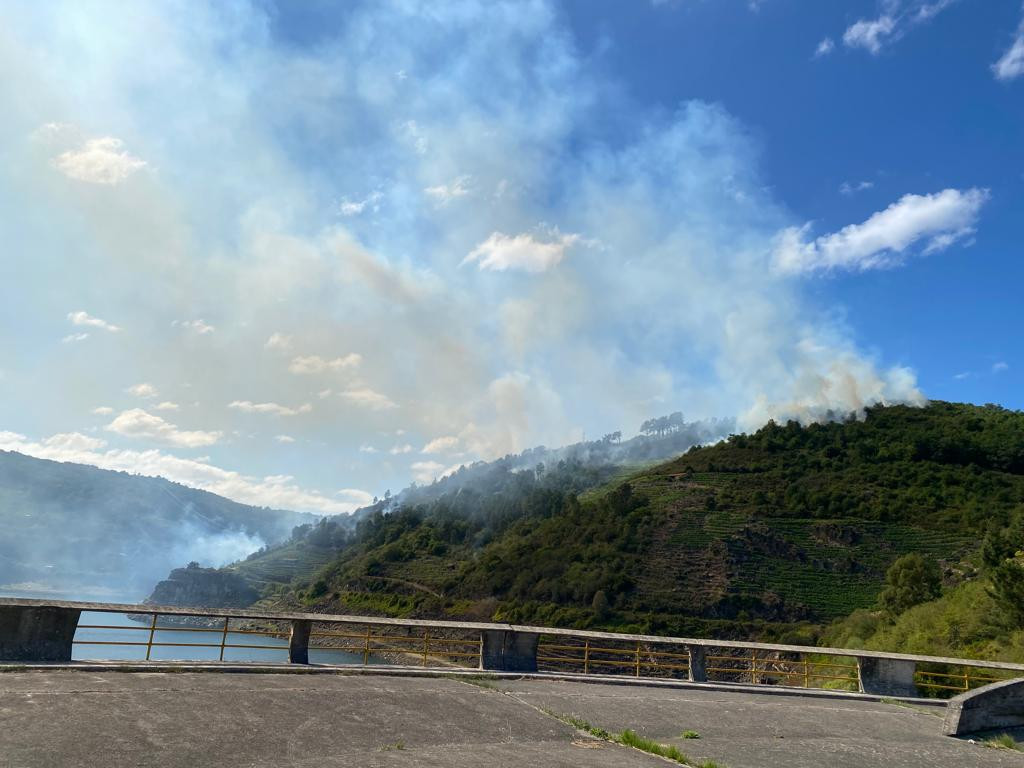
pixel 137 423
pixel 939 220
pixel 276 492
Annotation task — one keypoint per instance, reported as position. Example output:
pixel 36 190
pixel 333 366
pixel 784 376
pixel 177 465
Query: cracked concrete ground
pixel 75 718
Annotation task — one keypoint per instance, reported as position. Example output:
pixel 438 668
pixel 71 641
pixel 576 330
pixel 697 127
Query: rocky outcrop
pixel 197 587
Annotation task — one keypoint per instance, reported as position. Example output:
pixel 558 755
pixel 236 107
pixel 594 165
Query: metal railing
pixel 152 627
pixel 610 657
pixel 212 635
pixel 371 644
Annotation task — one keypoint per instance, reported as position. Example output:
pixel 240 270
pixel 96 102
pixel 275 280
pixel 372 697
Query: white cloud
pixel 900 15
pixel 365 397
pixel 400 449
pixel 870 35
pixel 166 405
pixel 356 496
pixel 84 318
pixel 284 439
pixel 71 338
pixel 274 409
pixel 138 423
pixel 144 390
pixel 445 193
pixel 500 252
pixel 367 449
pixel 425 472
pixel 1011 64
pixel 317 364
pixel 1000 366
pixel 102 410
pixel 847 188
pixel 441 444
pixel 99 161
pixel 354 208
pixel 200 326
pixel 825 47
pixel 278 341
pixel 962 375
pixel 276 492
pixel 939 219
pixel 73 442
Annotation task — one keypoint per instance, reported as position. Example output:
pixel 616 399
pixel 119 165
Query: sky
pixel 301 253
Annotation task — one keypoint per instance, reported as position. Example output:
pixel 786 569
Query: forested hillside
pixel 770 534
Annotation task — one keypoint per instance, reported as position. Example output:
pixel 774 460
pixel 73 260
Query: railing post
pixel 152 632
pixel 224 637
pixel 298 641
pixel 586 656
pixel 37 633
pixel 366 648
pixel 698 672
pixel 886 677
pixel 507 651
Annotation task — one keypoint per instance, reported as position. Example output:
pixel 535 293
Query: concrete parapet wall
pixel 507 651
pixel 887 677
pixel 37 633
pixel 999 705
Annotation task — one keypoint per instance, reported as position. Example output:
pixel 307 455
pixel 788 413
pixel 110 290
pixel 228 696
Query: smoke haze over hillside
pixel 302 273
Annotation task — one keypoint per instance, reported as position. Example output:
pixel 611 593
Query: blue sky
pixel 301 253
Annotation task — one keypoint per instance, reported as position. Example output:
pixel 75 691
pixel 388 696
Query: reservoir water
pixel 273 649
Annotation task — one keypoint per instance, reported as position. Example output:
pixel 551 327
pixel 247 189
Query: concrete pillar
pixel 507 651
pixel 37 633
pixel 886 677
pixel 698 667
pixel 298 641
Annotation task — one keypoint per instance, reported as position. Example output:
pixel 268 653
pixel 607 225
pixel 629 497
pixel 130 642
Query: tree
pixel 600 605
pixel 1007 589
pixel 193 565
pixel 910 580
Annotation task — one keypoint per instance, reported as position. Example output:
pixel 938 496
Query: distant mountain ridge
pixel 81 531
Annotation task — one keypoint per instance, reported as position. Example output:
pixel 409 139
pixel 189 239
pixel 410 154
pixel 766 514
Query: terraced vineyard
pixel 291 562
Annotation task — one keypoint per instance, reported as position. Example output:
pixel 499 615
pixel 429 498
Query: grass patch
pixel 1002 741
pixel 632 739
pixel 629 738
pixel 480 681
pixel 390 747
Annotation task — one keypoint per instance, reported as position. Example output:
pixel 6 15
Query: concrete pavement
pixel 172 720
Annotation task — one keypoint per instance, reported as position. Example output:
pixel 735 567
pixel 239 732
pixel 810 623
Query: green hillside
pixel 780 531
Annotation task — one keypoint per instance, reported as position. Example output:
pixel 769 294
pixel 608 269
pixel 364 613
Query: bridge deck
pixel 263 720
